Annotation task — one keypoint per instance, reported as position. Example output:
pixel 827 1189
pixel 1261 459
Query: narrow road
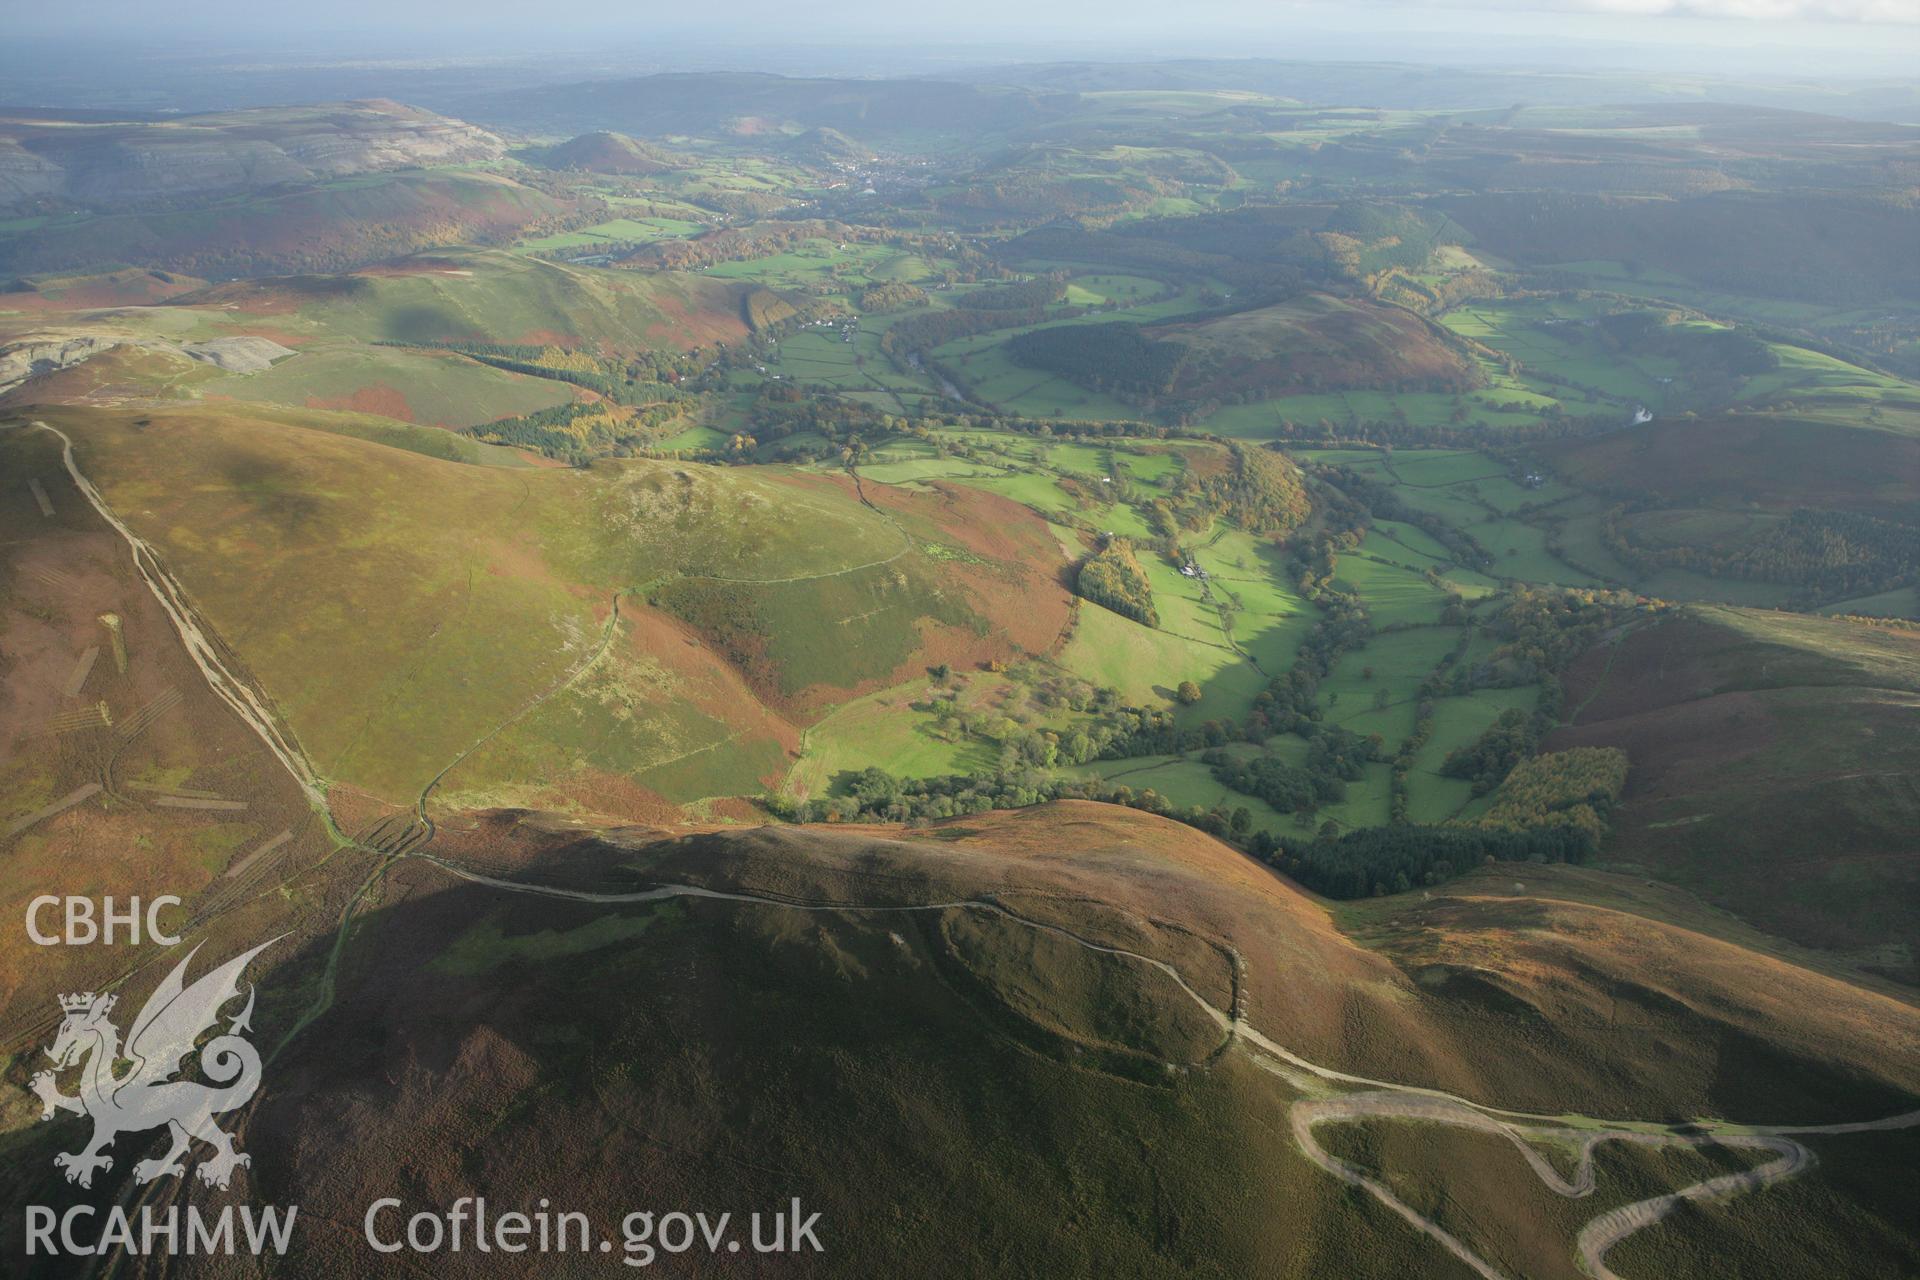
pixel 1383 1099
pixel 1603 1232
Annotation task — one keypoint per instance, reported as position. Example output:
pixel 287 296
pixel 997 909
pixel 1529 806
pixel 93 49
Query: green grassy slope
pixel 491 296
pixel 331 226
pixel 1774 767
pixel 400 608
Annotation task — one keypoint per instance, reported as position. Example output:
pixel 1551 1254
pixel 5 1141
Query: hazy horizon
pixel 190 59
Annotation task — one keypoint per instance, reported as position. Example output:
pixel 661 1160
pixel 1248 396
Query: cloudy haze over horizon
pixel 129 53
pixel 239 22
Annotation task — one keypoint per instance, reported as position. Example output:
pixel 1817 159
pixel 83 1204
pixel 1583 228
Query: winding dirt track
pixel 1382 1099
pixel 1599 1235
pixel 224 682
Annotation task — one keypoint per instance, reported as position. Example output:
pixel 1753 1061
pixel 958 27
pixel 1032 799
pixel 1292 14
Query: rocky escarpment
pixel 124 164
pixel 25 177
pixel 22 360
pixel 43 354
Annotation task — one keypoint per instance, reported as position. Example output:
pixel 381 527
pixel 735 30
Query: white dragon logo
pixel 145 1097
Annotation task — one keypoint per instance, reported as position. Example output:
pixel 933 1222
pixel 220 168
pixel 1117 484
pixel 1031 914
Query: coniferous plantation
pixel 1260 641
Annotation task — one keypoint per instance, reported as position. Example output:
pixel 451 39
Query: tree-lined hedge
pixel 1113 579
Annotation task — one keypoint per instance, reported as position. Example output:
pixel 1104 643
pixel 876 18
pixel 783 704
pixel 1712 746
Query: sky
pixel 1650 20
pixel 928 16
pixel 1730 37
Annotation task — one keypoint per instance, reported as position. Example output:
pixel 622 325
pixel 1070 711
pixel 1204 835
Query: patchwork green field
pixel 837 266
pixel 614 232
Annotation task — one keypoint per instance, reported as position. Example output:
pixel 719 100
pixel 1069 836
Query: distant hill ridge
pixel 717 105
pixel 120 163
pixel 608 152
